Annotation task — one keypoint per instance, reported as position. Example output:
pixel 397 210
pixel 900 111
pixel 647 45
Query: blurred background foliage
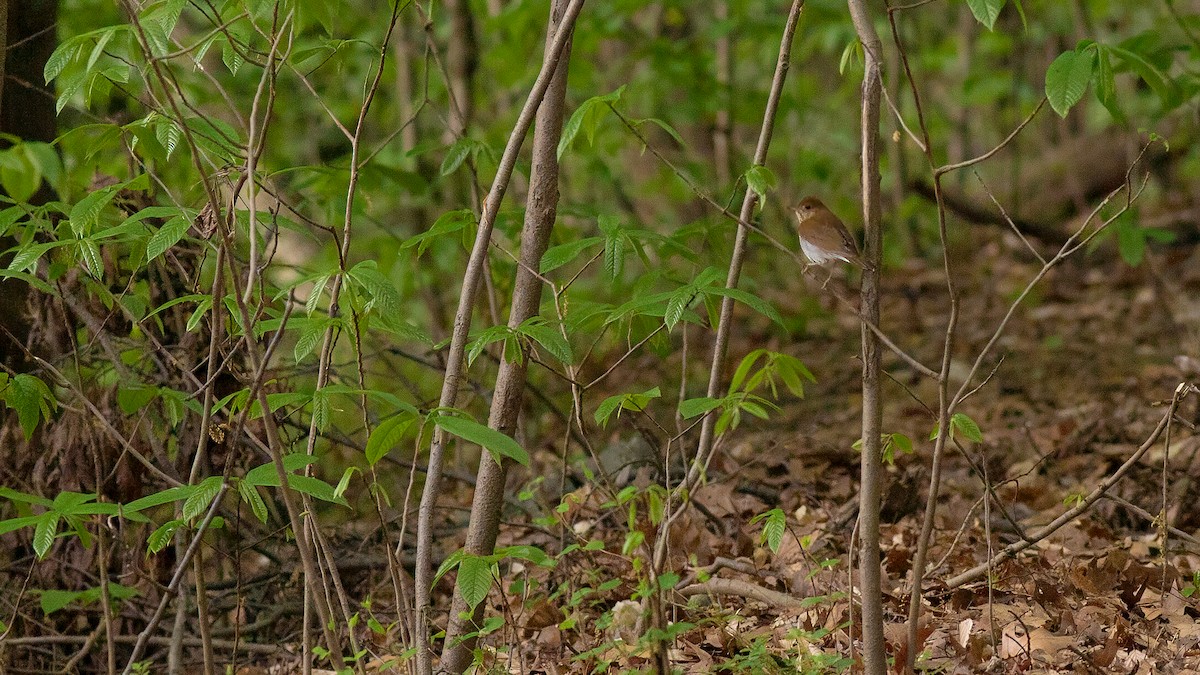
pixel 420 169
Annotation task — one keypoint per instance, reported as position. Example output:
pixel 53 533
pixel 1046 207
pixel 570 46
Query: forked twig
pixel 1083 505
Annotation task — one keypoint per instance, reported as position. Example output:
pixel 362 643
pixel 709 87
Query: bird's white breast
pixel 818 255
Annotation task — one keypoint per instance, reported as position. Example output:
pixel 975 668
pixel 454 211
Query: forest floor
pixel 1080 379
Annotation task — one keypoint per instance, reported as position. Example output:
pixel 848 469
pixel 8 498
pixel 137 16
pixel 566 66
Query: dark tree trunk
pixel 27 112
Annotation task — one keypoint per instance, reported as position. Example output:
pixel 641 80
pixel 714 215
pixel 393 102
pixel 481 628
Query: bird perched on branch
pixel 823 236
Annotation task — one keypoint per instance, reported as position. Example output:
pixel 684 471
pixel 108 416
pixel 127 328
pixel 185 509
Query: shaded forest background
pixel 237 237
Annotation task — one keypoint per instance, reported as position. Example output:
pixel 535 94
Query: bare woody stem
pixel 874 658
pixel 462 326
pixel 541 209
pixel 922 554
pixel 1083 505
pixel 721 345
pixel 948 403
pixel 174 95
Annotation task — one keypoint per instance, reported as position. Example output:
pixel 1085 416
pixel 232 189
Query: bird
pixel 823 236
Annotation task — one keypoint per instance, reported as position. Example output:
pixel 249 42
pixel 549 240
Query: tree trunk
pixel 540 212
pixel 462 325
pixel 27 112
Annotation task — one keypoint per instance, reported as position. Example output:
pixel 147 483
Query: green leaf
pixel 9 217
pixel 373 394
pixel 231 58
pixel 14 524
pixel 1131 242
pixel 217 137
pixel 320 409
pixel 381 291
pixel 202 308
pixel 265 475
pixel 615 239
pixel 633 540
pixel 90 253
pixel 548 338
pixel 760 180
pixel 667 128
pixel 960 423
pixel 20 175
pixel 474 579
pixel 310 337
pixel 851 53
pixel 557 256
pixel 166 236
pixel 692 407
pixel 986 11
pixel 495 442
pixel 587 117
pixel 24 497
pixel 316 488
pixel 774 525
pixel 168 134
pixel 249 494
pixel 752 301
pixel 756 409
pixel 44 533
pixel 449 222
pixel 743 369
pixel 396 324
pixel 68 502
pixel 532 554
pixel 633 402
pixel 27 256
pixel 490 336
pixel 1167 90
pixel 791 370
pixel 133 398
pixel 32 400
pixel 668 580
pixel 386 436
pixel 62 56
pixel 606 408
pixel 119 592
pixel 456 155
pixel 54 600
pixel 678 304
pixel 1067 80
pixel 199 501
pixel 157 30
pixel 889 445
pixel 278 400
pixel 78 525
pixel 161 497
pixel 68 86
pixel 105 35
pixel 160 537
pixel 86 211
pixel 340 489
pixel 1105 83
pixel 448 564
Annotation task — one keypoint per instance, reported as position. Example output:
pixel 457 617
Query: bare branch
pixel 942 170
